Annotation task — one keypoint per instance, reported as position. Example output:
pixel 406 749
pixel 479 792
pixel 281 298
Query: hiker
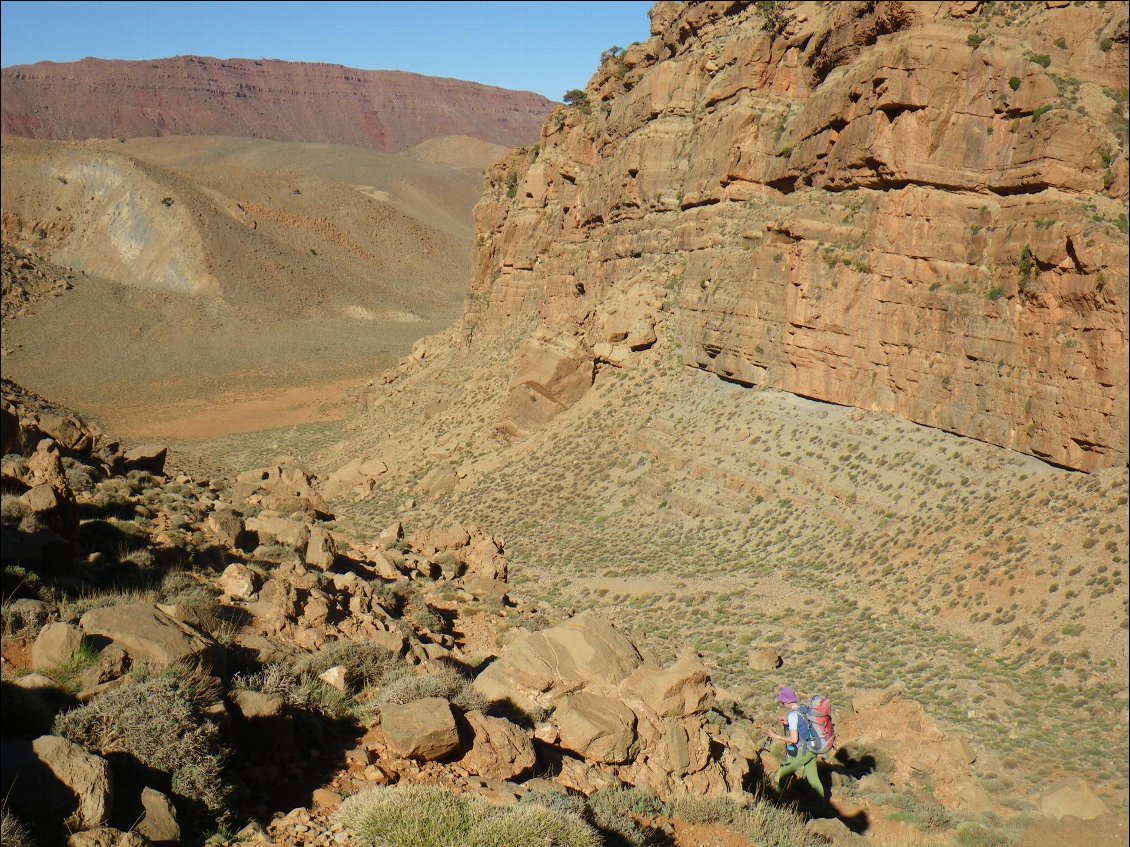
pixel 799 757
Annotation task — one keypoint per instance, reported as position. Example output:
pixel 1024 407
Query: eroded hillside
pixel 228 271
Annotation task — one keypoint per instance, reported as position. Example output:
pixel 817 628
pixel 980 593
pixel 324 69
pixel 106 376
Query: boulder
pixel 500 750
pixel 357 478
pixel 263 724
pixel 227 528
pixel 159 824
pixel 239 581
pixel 834 831
pixel 145 457
pixel 439 481
pixel 764 660
pixel 682 689
pixel 391 534
pixel 598 728
pixel 51 779
pixel 541 666
pixel 336 677
pixel 320 549
pixel 449 536
pixel 149 635
pixel 424 729
pixel 550 375
pixel 915 745
pixel 54 645
pixel 271 526
pixel 1072 797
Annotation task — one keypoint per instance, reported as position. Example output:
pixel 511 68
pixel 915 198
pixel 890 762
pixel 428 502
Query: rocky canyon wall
pixel 916 209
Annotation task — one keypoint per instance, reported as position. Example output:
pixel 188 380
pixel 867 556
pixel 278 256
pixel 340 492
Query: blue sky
pixel 547 47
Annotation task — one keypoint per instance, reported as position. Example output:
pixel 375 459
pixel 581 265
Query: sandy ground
pixel 229 414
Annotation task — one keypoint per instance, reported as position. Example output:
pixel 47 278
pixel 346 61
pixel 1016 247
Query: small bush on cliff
pixel 577 99
pixel 772 15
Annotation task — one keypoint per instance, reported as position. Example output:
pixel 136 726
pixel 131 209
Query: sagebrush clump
pixel 160 720
pixel 419 816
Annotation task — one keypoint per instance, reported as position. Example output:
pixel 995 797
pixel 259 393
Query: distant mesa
pixel 282 101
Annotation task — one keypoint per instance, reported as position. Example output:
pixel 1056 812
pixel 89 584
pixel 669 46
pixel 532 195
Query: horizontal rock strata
pixel 909 208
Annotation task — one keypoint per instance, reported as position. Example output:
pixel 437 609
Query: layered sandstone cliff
pixel 282 101
pixel 918 209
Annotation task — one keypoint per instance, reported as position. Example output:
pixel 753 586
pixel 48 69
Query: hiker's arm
pixel 791 738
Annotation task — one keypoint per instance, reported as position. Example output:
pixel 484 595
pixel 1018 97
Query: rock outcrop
pixel 622 719
pixel 284 101
pixel 916 209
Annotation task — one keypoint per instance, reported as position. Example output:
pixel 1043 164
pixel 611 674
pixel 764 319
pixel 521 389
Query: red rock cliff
pixel 917 209
pixel 282 101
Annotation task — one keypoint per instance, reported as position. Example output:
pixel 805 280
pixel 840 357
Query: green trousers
pixel 804 762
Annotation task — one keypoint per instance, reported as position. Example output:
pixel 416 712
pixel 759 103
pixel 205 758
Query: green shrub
pixel 365 664
pixel 996 293
pixel 974 40
pixel 616 811
pixel 772 14
pixel 159 719
pixel 437 681
pixel 67 674
pixel 300 691
pixel 411 816
pixel 1040 112
pixel 420 816
pixel 1041 59
pixel 533 826
pixel 576 98
pixel 765 824
pixel 1105 44
pixel 1014 82
pixel 975 835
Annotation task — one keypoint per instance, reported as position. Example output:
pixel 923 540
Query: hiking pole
pixel 765 745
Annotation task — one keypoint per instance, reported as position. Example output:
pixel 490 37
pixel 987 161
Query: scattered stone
pixel 145 457
pixel 239 581
pixel 320 549
pixel 54 645
pixel 160 822
pixel 150 635
pixel 424 729
pixel 764 660
pixel 501 750
pixel 52 779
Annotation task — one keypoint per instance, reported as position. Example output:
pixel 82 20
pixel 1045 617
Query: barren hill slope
pixel 227 267
pixel 283 101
